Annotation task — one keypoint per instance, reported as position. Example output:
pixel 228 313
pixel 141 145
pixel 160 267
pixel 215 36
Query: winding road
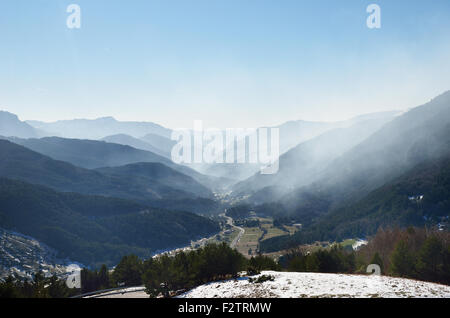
pixel 241 230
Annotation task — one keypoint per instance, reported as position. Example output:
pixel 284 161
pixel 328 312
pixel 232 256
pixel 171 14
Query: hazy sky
pixel 230 63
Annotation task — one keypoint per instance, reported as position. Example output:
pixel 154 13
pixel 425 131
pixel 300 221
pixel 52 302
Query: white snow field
pixel 305 285
pixel 312 285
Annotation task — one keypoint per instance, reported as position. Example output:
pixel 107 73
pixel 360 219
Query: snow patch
pixel 307 285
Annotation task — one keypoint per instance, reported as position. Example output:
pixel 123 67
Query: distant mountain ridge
pixel 148 173
pixel 89 154
pixel 127 140
pixel 302 164
pixel 10 125
pixel 419 197
pixel 351 196
pixel 100 128
pixel 163 144
pixel 295 132
pixel 18 162
pixel 93 154
pixel 420 134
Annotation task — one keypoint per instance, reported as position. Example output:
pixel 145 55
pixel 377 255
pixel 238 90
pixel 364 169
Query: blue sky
pixel 230 63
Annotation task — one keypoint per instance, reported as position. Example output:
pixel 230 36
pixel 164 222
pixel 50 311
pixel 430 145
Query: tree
pixel 376 259
pixel 8 288
pixel 166 274
pixel 312 263
pixel 103 277
pixel 38 284
pixel 402 260
pixel 261 263
pixel 57 288
pixel 430 262
pixel 129 271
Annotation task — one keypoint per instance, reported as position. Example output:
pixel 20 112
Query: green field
pixel 252 236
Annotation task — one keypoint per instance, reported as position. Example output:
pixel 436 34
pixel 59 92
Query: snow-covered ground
pixel 358 244
pixel 298 285
pixel 306 285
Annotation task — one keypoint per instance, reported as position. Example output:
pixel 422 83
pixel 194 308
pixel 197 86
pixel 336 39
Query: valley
pixel 95 201
pixel 210 149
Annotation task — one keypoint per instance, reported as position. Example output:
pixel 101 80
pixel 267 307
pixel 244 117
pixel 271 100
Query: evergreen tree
pixel 261 263
pixel 312 263
pixel 57 288
pixel 402 260
pixel 430 262
pixel 187 270
pixel 38 285
pixel 376 259
pixel 103 277
pixel 8 288
pixel 129 271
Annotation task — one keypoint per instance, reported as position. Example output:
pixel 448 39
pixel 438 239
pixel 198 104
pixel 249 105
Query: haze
pixel 229 63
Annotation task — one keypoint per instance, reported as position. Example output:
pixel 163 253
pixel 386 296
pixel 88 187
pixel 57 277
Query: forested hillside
pixel 421 197
pixel 95 229
pixel 419 135
pixel 17 162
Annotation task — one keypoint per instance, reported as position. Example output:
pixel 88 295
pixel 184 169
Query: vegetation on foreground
pixel 414 253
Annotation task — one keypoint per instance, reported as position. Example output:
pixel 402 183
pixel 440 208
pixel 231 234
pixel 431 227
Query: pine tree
pixel 57 288
pixel 8 288
pixel 129 271
pixel 103 277
pixel 430 263
pixel 402 260
pixel 38 284
pixel 376 259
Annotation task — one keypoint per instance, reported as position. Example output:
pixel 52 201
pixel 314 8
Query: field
pixel 249 241
pixel 248 244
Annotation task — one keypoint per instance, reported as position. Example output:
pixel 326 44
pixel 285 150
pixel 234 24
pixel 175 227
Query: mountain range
pixel 99 128
pixel 157 144
pixel 18 162
pixel 95 229
pixel 10 125
pixel 419 197
pixel 92 154
pixel 414 146
pixel 302 164
pixel 116 183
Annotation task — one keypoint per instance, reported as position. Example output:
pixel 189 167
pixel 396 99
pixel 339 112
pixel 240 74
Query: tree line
pixel 162 276
pixel 416 253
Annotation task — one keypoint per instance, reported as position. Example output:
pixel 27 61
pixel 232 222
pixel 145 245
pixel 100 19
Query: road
pixel 241 230
pixel 131 292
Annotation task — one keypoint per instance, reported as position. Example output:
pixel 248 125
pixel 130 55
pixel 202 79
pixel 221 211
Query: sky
pixel 230 63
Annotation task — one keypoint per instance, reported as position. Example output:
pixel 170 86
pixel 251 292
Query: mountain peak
pixel 10 125
pixel 7 115
pixel 108 119
pixel 443 96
